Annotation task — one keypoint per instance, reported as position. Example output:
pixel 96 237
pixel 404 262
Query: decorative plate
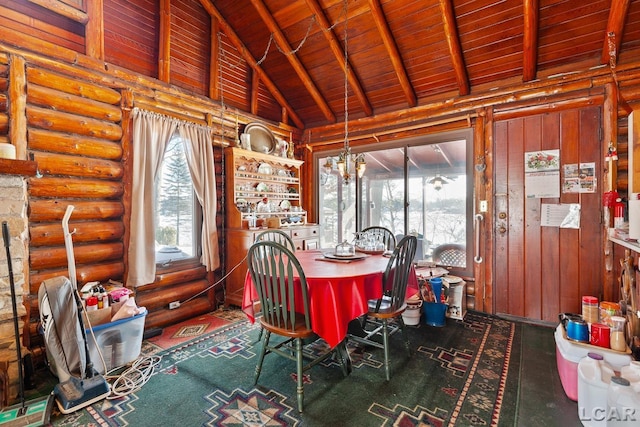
pixel 285 205
pixel 264 168
pixel 332 255
pixel 262 140
pixel 262 187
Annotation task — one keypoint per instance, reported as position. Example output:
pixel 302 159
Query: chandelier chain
pixel 346 79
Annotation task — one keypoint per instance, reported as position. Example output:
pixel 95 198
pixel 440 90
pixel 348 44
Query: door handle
pixel 477 258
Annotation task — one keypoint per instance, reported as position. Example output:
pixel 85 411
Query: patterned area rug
pixel 463 374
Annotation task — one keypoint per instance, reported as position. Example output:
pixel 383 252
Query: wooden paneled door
pixel 543 271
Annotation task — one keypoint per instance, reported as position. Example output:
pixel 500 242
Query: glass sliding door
pixel 418 186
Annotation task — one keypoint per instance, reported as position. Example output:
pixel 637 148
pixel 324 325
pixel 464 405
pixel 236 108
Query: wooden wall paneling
pixel 550 274
pixel 532 251
pixel 592 230
pixel 516 216
pixel 131 30
pixel 569 239
pixel 27 21
pixel 190 54
pixel 501 203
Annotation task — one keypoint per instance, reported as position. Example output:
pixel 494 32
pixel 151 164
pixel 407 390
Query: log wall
pixel 75 126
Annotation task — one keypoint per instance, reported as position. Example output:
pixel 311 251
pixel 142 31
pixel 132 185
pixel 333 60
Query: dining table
pixel 338 290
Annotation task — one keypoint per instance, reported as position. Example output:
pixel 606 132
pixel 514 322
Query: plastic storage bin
pixel 568 355
pixel 119 342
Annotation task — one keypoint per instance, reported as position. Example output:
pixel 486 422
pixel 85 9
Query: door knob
pixel 502 229
pixel 502 215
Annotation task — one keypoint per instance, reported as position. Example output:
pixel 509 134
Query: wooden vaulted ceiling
pixel 402 53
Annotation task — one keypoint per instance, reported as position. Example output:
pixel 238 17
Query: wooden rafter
pixel 530 40
pixel 299 69
pixel 338 52
pixel 615 25
pixel 455 50
pixel 235 40
pixel 392 50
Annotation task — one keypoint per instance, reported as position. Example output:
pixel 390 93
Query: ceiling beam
pixel 392 50
pixel 530 40
pixel 338 52
pixel 235 40
pixel 302 73
pixel 455 49
pixel 615 25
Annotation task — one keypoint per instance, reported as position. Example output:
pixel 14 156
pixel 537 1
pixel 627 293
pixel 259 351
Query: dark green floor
pixel 541 398
pixel 542 401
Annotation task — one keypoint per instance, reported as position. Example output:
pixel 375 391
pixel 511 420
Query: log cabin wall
pixel 170 61
pixel 69 113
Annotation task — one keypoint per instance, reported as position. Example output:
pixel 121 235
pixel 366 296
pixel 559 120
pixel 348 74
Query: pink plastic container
pixel 569 354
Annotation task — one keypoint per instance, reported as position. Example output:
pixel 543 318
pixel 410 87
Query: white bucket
pixel 411 316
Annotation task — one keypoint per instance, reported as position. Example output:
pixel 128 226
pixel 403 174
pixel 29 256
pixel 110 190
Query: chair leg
pixel 300 389
pixel 385 340
pixel 263 351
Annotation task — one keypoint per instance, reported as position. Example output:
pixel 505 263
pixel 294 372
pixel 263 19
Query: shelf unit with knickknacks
pixel 263 191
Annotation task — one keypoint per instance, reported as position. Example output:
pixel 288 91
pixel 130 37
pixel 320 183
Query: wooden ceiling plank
pixel 299 69
pixel 394 53
pixel 242 49
pixel 530 40
pixel 353 80
pixel 451 34
pixel 615 25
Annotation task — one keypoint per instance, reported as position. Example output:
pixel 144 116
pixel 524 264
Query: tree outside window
pixel 174 207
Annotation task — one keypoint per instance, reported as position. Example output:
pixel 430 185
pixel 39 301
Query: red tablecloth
pixel 338 292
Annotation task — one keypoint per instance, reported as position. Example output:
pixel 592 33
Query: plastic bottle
pixel 92 303
pixel 590 309
pixel 623 404
pixel 594 376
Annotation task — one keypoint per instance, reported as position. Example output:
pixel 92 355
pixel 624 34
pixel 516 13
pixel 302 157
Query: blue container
pixel 436 287
pixel 434 313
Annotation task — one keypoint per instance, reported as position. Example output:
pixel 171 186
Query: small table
pixel 338 291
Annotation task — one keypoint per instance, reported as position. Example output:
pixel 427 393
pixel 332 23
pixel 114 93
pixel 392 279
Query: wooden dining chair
pixel 279 236
pixel 387 236
pixel 282 289
pixel 381 311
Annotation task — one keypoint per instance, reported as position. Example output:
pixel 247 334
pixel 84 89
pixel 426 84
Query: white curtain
pixel 198 149
pixel 151 133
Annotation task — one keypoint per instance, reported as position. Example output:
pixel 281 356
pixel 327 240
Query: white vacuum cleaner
pixel 65 338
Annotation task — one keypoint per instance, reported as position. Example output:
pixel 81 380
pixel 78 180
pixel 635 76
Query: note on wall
pixel 562 215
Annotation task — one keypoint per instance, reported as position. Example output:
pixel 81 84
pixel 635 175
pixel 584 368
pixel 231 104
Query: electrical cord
pixel 133 378
pixel 216 283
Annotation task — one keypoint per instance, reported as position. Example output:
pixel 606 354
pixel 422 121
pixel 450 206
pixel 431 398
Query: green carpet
pixel 463 374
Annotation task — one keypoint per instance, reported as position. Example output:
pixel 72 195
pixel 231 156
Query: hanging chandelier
pixel 346 159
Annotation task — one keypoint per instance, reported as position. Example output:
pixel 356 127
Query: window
pixel 419 186
pixel 177 211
